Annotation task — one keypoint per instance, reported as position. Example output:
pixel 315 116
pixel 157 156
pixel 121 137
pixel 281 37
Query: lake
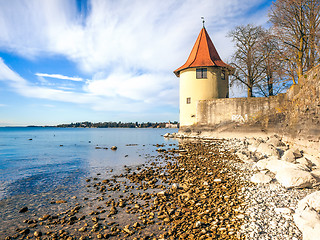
pixel 39 160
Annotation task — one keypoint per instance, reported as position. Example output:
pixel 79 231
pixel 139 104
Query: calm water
pixel 36 161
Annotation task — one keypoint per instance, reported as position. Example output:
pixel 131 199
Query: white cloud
pixel 102 95
pixel 3 105
pixel 148 35
pixel 59 76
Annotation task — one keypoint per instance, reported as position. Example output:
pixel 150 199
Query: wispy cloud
pixel 59 76
pixel 3 105
pixel 101 95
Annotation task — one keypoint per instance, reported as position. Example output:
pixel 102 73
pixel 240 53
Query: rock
pixel 37 234
pixel 314 159
pixel 243 157
pixel 293 178
pixel 312 200
pixel 305 162
pixel 268 150
pixel 289 156
pixel 161 150
pixel 175 186
pixel 83 229
pixel 275 141
pixel 274 165
pixel 114 148
pixel 217 180
pixel 283 210
pixel 23 210
pixel 316 173
pixel 307 218
pixel 60 201
pixel 260 178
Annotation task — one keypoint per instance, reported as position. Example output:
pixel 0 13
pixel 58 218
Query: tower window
pixel 188 100
pixel 223 75
pixel 201 73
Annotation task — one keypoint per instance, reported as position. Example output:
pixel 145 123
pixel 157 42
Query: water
pixel 36 161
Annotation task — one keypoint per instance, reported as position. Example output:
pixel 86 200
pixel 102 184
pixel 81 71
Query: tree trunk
pixel 270 85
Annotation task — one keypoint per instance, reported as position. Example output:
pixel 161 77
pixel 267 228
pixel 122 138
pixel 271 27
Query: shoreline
pixel 285 171
pixel 202 188
pixel 165 198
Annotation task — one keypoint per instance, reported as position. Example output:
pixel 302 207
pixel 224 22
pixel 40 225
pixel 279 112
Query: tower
pixel 204 76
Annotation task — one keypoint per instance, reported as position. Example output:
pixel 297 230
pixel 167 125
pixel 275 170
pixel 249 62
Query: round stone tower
pixel 204 76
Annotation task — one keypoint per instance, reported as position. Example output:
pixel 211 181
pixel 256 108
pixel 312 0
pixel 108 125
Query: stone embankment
pixel 285 196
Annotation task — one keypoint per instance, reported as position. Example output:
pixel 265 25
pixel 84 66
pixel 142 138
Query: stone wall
pixel 239 110
pixel 303 111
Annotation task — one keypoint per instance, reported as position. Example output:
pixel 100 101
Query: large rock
pixel 274 165
pixel 275 141
pixel 294 178
pixel 314 159
pixel 261 178
pixel 316 173
pixel 305 162
pixel 306 217
pixel 244 157
pixel 312 201
pixel 268 150
pixel 288 156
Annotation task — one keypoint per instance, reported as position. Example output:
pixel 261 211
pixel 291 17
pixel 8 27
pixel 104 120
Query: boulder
pixel 274 165
pixel 312 201
pixel 314 159
pixel 261 178
pixel 305 162
pixel 253 144
pixel 294 178
pixel 288 156
pixel 306 217
pixel 268 150
pixel 316 173
pixel 275 141
pixel 243 157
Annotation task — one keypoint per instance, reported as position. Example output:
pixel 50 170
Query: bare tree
pixel 296 23
pixel 247 59
pixel 274 80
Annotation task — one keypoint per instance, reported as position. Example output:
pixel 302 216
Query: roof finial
pixel 203 21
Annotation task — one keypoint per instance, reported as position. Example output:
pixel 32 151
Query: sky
pixel 64 61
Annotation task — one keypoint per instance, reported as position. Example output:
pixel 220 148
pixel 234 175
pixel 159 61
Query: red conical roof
pixel 203 54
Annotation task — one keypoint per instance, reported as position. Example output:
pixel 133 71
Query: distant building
pixel 171 125
pixel 204 76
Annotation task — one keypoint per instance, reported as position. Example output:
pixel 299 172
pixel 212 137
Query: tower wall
pixel 193 90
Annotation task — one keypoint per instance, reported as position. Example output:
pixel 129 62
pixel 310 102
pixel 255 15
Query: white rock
pixel 306 217
pixel 312 200
pixel 162 193
pixel 243 157
pixel 293 178
pixel 308 223
pixel 276 142
pixel 316 173
pixel 268 150
pixel 283 210
pixel 289 156
pixel 217 180
pixel 274 165
pixel 175 186
pixel 314 159
pixel 260 178
pixel 305 162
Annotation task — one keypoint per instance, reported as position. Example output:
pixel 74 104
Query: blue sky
pixel 65 61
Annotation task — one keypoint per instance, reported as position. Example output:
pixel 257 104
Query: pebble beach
pixel 197 189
